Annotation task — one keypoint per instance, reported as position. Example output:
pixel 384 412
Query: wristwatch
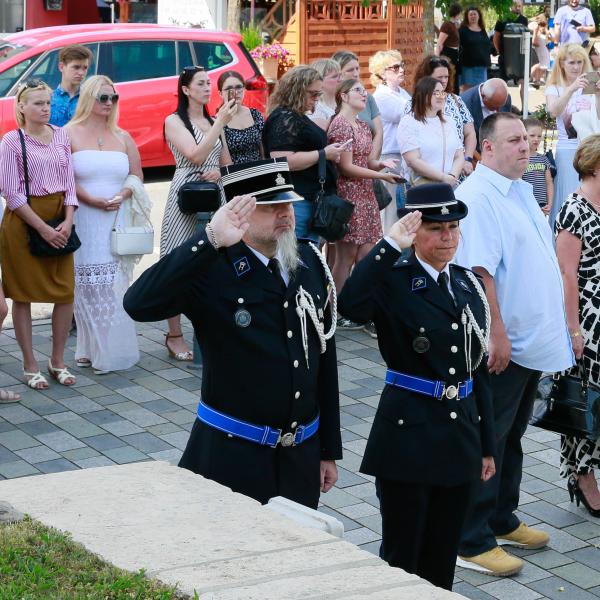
pixel 469 159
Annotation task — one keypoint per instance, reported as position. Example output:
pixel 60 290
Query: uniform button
pixel 194 248
pixel 451 370
pixel 479 417
pixel 240 301
pixel 297 395
pixel 455 326
pixel 294 425
pixel 453 349
pixel 404 261
pixel 229 435
pixel 296 363
pixel 285 304
pixel 382 251
pixel 400 421
pixel 421 329
pixel 453 415
pixel 201 243
pixel 378 257
pixel 290 334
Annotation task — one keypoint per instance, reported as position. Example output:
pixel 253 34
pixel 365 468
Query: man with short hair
pixel 268 421
pixel 507 241
pixel 73 64
pixel 573 23
pixel 486 99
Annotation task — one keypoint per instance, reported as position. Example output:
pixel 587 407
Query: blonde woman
pixel 329 70
pixel 28 278
pixel 106 336
pixel 387 77
pixel 564 97
pixel 289 132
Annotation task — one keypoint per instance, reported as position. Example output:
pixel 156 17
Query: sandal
pixel 36 381
pixel 7 396
pixel 83 363
pixel 187 356
pixel 61 375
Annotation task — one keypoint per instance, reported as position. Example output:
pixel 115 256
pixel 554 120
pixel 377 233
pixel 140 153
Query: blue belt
pixel 261 434
pixel 437 389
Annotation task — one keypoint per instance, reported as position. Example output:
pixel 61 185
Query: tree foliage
pixel 502 7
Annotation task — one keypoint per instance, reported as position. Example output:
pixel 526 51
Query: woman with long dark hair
pixel 474 49
pixel 195 141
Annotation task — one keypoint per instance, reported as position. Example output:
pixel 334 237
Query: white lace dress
pixel 105 333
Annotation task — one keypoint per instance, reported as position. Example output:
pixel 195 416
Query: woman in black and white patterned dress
pixel 195 141
pixel 577 229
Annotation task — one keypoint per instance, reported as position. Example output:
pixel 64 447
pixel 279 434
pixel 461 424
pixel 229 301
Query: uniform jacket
pixel 254 366
pixel 415 437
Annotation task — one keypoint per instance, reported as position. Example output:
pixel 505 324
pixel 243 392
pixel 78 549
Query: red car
pixel 143 60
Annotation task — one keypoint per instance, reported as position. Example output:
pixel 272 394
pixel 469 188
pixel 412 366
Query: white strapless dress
pixel 105 333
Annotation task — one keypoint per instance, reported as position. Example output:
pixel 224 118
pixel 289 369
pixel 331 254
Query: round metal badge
pixel 242 318
pixel 421 344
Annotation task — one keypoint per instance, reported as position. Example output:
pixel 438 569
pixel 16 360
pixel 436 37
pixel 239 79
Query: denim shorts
pixel 303 211
pixel 473 75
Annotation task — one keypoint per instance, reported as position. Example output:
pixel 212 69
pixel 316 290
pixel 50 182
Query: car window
pixel 184 56
pixel 212 55
pixel 47 68
pixel 135 60
pixel 8 50
pixel 9 77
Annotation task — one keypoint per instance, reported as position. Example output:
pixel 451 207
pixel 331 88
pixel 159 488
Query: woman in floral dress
pixel 354 182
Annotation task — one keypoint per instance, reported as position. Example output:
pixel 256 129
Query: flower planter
pixel 269 67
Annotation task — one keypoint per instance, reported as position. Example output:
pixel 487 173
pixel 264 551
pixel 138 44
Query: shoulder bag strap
pixel 133 199
pixel 25 169
pixel 322 169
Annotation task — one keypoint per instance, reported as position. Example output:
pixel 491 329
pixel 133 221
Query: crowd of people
pixel 436 275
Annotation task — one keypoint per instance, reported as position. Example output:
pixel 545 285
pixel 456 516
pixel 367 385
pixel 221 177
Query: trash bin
pixel 513 59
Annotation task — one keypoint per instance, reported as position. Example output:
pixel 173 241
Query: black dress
pixel 244 144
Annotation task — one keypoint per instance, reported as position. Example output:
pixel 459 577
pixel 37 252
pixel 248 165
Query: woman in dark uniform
pixel 433 434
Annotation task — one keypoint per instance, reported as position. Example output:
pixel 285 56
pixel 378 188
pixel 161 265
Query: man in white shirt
pixel 573 23
pixel 507 241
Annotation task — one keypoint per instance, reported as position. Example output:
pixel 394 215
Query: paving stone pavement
pixel 145 413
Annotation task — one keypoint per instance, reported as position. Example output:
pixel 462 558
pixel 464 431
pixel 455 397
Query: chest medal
pixel 242 318
pixel 421 344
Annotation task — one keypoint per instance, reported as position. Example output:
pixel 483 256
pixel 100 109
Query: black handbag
pixel 331 213
pixel 382 195
pixel 569 405
pixel 199 196
pixel 38 246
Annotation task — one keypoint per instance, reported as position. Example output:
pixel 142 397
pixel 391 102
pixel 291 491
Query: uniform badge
pixel 242 266
pixel 280 179
pixel 421 344
pixel 242 318
pixel 464 285
pixel 320 313
pixel 418 283
pixel 445 210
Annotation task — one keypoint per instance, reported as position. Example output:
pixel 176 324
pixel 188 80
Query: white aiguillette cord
pixel 306 304
pixel 470 323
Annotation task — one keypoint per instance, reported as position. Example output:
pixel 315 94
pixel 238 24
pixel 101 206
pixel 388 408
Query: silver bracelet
pixel 210 234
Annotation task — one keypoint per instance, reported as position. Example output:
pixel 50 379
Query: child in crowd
pixel 538 172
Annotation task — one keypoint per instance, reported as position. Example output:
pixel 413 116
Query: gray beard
pixel 287 251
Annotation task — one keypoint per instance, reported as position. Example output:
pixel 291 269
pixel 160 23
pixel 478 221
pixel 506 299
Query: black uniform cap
pixel 435 201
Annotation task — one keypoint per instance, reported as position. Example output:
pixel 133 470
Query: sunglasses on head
pixel 192 69
pixel 29 84
pixel 104 98
pixel 434 61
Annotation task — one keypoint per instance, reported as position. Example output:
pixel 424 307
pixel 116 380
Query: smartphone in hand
pixel 592 77
pixel 230 95
pixel 574 23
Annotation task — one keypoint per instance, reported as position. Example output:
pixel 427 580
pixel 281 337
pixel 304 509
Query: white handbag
pixel 128 239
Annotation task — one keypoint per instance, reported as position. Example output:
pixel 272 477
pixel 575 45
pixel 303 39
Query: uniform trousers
pixel 421 525
pixel 494 501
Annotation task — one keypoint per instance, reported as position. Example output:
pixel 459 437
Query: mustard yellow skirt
pixel 28 278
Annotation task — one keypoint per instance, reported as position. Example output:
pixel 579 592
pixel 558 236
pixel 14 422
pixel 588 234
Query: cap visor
pixel 288 196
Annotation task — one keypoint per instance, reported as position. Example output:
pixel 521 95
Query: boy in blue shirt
pixel 538 172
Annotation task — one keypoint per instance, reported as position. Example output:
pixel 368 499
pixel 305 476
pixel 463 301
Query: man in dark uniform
pixel 261 307
pixel 433 434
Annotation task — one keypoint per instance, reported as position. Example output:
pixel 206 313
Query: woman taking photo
pixel 428 143
pixel 474 49
pixel 564 97
pixel 243 133
pixel 356 172
pixel 290 133
pixel 28 278
pixel 387 76
pixel 195 141
pixel 433 434
pixel 577 229
pixel 329 70
pixel 106 336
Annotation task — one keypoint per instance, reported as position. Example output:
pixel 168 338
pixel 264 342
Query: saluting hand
pixel 230 222
pixel 404 230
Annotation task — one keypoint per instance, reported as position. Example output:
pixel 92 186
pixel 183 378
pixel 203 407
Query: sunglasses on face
pixel 396 68
pixel 104 98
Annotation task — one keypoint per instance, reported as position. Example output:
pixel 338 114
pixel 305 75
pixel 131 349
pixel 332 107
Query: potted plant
pixel 269 58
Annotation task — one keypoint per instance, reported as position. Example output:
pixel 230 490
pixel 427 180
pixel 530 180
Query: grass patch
pixel 42 563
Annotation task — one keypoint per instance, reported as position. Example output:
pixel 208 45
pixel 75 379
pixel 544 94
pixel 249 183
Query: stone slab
pixel 195 533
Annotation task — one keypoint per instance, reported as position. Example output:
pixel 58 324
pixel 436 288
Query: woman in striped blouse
pixel 28 278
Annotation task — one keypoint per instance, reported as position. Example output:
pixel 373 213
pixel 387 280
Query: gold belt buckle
pixel 451 392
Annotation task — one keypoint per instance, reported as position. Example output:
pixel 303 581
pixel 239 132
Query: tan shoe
pixel 493 562
pixel 524 537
